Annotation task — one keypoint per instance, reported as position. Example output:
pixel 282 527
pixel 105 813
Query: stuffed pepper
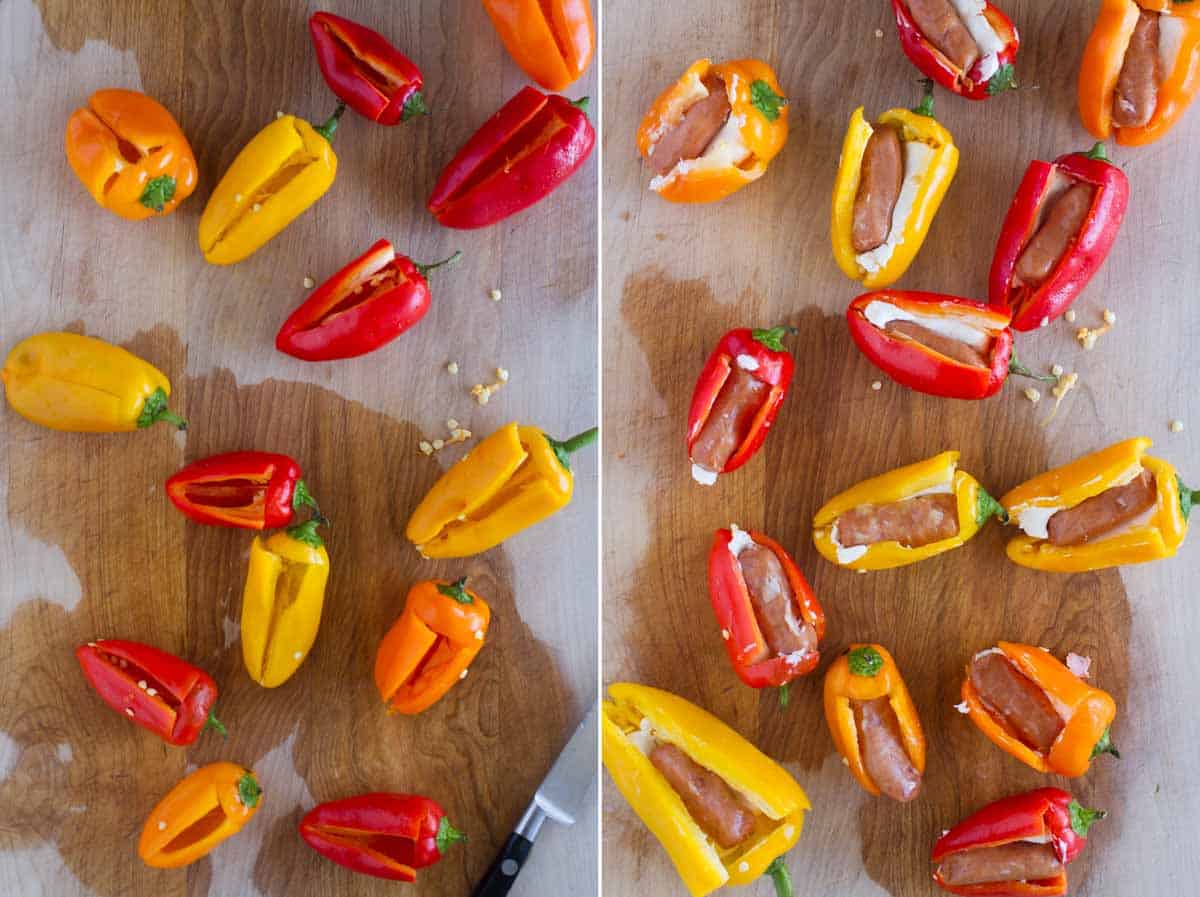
pixel 1017 846
pixel 903 516
pixel 250 490
pixel 890 183
pixel 210 805
pixel 431 647
pixel 364 306
pixel 551 40
pixel 771 622
pixel 130 154
pixel 1032 706
pixel 736 399
pixel 714 131
pixel 1115 506
pixel 1140 69
pixel 967 46
pixel 65 381
pixel 515 478
pixel 724 812
pixel 1056 235
pixel 517 158
pixel 874 722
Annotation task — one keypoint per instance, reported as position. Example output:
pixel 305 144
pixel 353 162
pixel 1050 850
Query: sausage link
pixel 912 522
pixel 1012 862
pixel 711 802
pixel 942 27
pixel 880 179
pixel 729 421
pixel 700 124
pixel 1009 694
pixel 884 757
pixel 944 345
pixel 1060 226
pixel 1103 513
pixel 1136 96
pixel 773 601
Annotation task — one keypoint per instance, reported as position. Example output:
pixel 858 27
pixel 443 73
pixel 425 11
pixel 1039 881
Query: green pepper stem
pixel 1015 367
pixel 925 107
pixel 414 106
pixel 785 695
pixel 447 835
pixel 772 337
pixel 563 448
pixel 457 590
pixel 1187 497
pixel 424 270
pixel 306 532
pixel 302 498
pixel 1104 746
pixel 1082 818
pixel 331 124
pixel 213 723
pixel 155 409
pixel 581 103
pixel 782 878
pixel 1099 152
pixel 249 791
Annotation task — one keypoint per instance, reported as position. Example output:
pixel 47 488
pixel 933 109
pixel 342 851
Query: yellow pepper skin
pixel 515 478
pixel 65 381
pixel 281 604
pixel 975 506
pixel 913 126
pixel 1065 487
pixel 281 172
pixel 766 786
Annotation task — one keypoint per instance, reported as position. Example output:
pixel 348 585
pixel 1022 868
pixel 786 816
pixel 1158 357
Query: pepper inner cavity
pixel 913 522
pixel 287 591
pixel 709 800
pixel 1101 514
pixel 774 604
pixel 1135 97
pixel 954 349
pixel 529 137
pixel 377 77
pixel 881 744
pixel 243 497
pixel 382 281
pixel 291 168
pixel 1019 703
pixel 1017 861
pixel 1061 217
pixel 696 130
pixel 204 827
pixel 398 849
pixel 730 419
pixel 135 674
pixel 941 25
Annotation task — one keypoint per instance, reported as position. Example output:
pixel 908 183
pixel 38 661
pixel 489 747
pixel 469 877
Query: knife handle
pixel 505 868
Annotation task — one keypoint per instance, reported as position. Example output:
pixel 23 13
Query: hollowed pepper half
pixel 250 490
pixel 281 604
pixel 65 381
pixel 1114 506
pixel 130 154
pixel 551 40
pixel 385 835
pixel 973 57
pixel 431 647
pixel 655 743
pixel 515 478
pixel 904 516
pixel 210 805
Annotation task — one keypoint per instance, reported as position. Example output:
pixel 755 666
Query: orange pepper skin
pixel 551 40
pixel 1087 712
pixel 161 178
pixel 431 646
pixel 219 788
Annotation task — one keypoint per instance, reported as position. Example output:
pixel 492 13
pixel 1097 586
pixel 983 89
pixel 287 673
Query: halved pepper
pixel 210 805
pixel 385 835
pixel 280 173
pixel 281 604
pixel 995 37
pixel 1156 533
pixel 431 647
pixel 156 690
pixel 551 40
pixel 934 476
pixel 636 722
pixel 130 154
pixel 515 478
pixel 65 381
pixel 250 490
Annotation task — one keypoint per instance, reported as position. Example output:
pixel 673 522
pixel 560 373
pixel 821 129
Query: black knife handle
pixel 504 870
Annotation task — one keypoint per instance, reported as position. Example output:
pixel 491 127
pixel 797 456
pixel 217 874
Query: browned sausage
pixel 729 421
pixel 944 345
pixel 695 131
pixel 942 27
pixel 880 178
pixel 1103 513
pixel 912 522
pixel 1060 226
pixel 771 597
pixel 1009 694
pixel 1015 861
pixel 1136 96
pixel 711 802
pixel 882 747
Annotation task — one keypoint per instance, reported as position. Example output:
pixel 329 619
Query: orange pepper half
pixel 204 809
pixel 551 40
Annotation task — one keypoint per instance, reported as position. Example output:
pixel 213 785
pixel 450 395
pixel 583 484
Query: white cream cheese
pixel 703 475
pixel 879 314
pixel 917 157
pixel 643 737
pixel 985 36
pixel 946 488
pixel 747 362
pixel 740 541
pixel 846 555
pixel 695 91
pixel 1034 521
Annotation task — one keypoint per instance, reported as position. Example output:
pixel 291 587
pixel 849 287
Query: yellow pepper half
pixel 917 125
pixel 637 713
pixel 65 381
pixel 1158 536
pixel 281 605
pixel 515 478
pixel 281 172
pixel 975 506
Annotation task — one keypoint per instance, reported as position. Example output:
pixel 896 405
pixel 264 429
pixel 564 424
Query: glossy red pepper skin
pixel 933 64
pixel 1031 309
pixel 366 72
pixel 247 490
pixel 154 689
pixel 520 155
pixel 744 642
pixel 774 369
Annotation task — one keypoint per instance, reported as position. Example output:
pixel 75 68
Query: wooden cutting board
pixel 677 277
pixel 91 548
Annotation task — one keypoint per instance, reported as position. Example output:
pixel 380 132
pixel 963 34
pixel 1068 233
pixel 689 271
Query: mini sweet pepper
pixel 551 40
pixel 210 805
pixel 991 73
pixel 250 490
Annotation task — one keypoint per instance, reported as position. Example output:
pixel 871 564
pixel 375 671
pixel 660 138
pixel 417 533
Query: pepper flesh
pixel 249 490
pixel 933 63
pixel 210 805
pixel 551 41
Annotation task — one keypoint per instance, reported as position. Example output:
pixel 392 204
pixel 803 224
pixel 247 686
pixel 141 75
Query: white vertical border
pixel 599 694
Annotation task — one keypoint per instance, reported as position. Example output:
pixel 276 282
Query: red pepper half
pixel 1032 308
pixel 366 305
pixel 385 835
pixel 519 156
pixel 1043 815
pixel 156 690
pixel 249 490
pixel 985 79
pixel 366 72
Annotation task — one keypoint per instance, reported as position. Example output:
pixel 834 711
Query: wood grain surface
pixel 91 548
pixel 676 277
